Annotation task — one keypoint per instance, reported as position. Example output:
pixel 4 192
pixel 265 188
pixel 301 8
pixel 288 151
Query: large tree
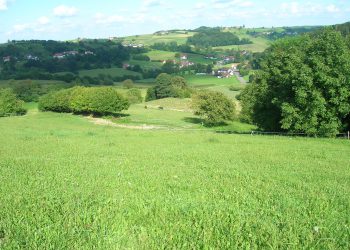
pixel 303 86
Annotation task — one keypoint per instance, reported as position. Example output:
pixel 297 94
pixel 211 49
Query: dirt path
pixel 104 122
pixel 239 77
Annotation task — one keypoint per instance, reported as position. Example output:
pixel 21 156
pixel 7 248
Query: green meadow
pixel 67 183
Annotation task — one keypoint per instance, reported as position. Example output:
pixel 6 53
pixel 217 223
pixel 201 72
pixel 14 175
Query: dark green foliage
pixel 9 104
pixel 168 86
pixel 141 57
pixel 304 86
pixel 214 107
pixel 212 37
pixel 35 59
pixel 343 28
pixel 96 100
pixel 172 46
pixel 134 96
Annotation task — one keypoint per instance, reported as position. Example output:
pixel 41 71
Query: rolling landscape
pixel 213 137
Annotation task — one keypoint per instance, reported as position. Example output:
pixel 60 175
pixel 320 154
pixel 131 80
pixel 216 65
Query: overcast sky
pixel 70 19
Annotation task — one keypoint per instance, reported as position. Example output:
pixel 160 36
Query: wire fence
pixel 261 133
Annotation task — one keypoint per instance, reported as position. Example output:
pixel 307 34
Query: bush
pixel 214 107
pixel 134 96
pixel 56 101
pixel 96 100
pixel 9 104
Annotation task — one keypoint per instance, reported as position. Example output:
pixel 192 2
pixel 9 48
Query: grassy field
pixel 150 39
pixel 197 80
pixel 69 184
pixel 146 65
pixel 159 55
pixel 114 72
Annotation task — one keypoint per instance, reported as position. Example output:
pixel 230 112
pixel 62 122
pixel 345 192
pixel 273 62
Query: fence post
pixel 348 135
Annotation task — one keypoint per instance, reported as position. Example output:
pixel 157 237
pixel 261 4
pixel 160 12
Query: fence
pixel 339 136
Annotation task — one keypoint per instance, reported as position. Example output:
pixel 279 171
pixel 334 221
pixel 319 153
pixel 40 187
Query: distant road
pixel 239 77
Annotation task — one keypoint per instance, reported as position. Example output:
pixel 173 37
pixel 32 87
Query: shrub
pixel 134 96
pixel 56 101
pixel 96 100
pixel 9 104
pixel 214 107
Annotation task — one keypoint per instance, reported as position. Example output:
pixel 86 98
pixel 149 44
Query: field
pixel 114 72
pixel 179 37
pixel 67 183
pixel 159 55
pixel 197 80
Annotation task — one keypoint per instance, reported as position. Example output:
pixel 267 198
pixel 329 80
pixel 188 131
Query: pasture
pixel 67 183
pixel 180 37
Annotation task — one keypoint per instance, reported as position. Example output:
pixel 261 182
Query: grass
pixel 208 80
pixel 67 183
pixel 159 55
pixel 114 72
pixel 150 39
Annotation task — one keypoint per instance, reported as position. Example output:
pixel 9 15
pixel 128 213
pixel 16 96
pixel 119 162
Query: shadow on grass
pixel 98 115
pixel 196 120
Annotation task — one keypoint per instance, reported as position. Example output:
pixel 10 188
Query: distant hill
pixel 343 28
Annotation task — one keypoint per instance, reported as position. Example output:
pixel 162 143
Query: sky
pixel 71 19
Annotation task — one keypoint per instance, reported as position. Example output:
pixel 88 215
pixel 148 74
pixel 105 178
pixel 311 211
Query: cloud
pixel 43 20
pixel 3 4
pixel 104 19
pixel 17 28
pixel 65 11
pixel 332 8
pixel 224 4
pixel 152 3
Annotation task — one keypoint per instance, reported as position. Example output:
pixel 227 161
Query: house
pixel 185 64
pixel 59 56
pixel 126 66
pixel 65 54
pixel 183 57
pixel 71 53
pixel 211 57
pixel 224 73
pixel 6 59
pixel 89 53
pixel 31 57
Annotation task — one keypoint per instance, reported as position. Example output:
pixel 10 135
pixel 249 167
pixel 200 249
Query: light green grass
pixel 150 39
pixel 69 184
pixel 208 80
pixel 159 55
pixel 259 45
pixel 114 72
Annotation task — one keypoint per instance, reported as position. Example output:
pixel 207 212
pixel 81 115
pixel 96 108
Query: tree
pixel 134 96
pixel 128 84
pixel 168 86
pixel 303 86
pixel 214 107
pixel 9 104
